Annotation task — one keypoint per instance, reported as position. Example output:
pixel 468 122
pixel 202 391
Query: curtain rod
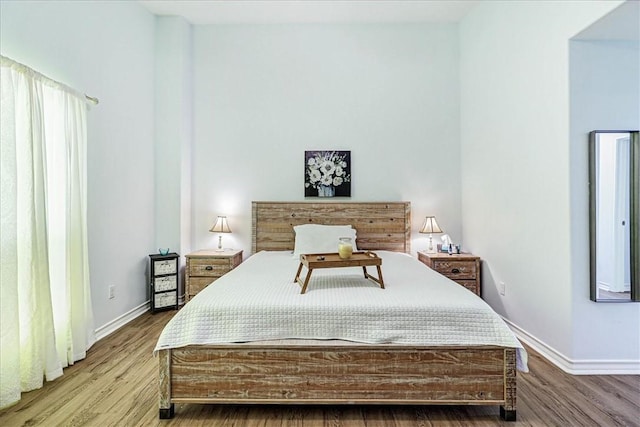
pixel 92 99
pixel 8 62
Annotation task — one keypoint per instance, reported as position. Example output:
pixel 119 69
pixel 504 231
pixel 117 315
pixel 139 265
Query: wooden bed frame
pixel 318 372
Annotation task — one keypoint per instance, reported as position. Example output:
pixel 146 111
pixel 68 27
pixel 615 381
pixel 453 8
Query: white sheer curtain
pixel 46 321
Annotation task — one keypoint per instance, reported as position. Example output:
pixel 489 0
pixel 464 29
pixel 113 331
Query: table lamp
pixel 221 226
pixel 430 226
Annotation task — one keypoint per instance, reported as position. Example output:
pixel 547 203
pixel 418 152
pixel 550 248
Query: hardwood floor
pixel 116 385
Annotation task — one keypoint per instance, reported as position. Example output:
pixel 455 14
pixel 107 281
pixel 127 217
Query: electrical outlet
pixel 501 288
pixel 112 292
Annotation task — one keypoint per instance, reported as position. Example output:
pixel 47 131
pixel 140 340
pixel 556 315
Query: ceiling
pixel 622 23
pixel 311 11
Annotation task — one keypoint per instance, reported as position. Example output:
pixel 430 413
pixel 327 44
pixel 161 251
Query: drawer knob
pixel 208 268
pixel 455 271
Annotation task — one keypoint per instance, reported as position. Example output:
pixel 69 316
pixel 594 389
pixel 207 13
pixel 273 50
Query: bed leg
pixel 164 383
pixel 167 413
pixel 508 410
pixel 507 415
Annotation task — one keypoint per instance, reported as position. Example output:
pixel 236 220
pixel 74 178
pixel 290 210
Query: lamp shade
pixel 221 225
pixel 430 225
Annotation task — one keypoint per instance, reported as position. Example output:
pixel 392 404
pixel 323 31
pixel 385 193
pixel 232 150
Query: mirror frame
pixel 634 214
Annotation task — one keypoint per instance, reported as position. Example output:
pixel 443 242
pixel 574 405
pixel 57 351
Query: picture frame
pixel 327 173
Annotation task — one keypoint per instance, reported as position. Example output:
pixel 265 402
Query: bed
pixel 282 369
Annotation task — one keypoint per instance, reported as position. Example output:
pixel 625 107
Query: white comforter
pixel 259 301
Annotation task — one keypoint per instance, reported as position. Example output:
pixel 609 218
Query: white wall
pixel 265 94
pixel 173 134
pixel 516 200
pixel 400 97
pixel 105 49
pixel 605 95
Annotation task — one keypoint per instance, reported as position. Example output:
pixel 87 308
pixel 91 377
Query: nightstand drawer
pixel 462 268
pixel 196 284
pixel 472 285
pixel 206 266
pixel 458 270
pixel 209 267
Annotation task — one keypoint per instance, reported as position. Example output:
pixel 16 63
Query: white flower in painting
pixel 314 175
pixel 327 167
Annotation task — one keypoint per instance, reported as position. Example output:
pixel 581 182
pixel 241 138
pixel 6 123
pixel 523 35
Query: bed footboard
pixel 246 374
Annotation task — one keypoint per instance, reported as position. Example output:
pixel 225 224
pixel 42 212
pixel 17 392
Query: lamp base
pixel 431 249
pixel 220 249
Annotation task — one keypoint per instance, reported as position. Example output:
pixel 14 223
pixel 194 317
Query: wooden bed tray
pixel 333 260
pixel 344 373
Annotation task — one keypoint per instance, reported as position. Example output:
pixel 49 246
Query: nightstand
pixel 461 268
pixel 206 266
pixel 164 281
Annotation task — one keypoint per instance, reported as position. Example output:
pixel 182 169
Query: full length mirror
pixel 614 199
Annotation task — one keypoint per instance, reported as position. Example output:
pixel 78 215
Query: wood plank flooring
pixel 116 385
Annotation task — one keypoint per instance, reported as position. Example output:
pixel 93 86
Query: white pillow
pixel 316 238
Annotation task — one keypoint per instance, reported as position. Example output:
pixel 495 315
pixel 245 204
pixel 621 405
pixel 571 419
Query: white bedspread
pixel 259 301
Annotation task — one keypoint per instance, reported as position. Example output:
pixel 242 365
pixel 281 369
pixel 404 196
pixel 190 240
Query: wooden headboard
pixel 379 225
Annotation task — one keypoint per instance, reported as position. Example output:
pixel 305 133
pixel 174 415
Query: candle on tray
pixel 345 248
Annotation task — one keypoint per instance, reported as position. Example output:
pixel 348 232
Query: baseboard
pixel 575 367
pixel 119 322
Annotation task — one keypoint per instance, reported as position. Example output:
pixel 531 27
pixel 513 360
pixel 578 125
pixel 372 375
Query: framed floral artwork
pixel 327 173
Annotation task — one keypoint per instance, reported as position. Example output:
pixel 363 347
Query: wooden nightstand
pixel 206 266
pixel 461 268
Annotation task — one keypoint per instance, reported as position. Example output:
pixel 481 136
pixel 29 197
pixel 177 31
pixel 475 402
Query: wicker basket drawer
pixel 456 269
pixel 165 283
pixel 165 299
